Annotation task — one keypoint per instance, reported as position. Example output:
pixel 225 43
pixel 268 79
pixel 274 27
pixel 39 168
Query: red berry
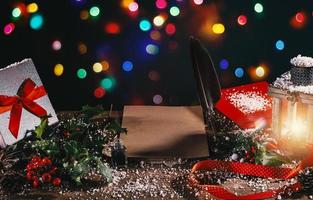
pixel 46 177
pixel 253 150
pixel 56 182
pixel 53 170
pixel 67 134
pixel 36 159
pixel 29 175
pixel 46 161
pixel 30 167
pixel 35 182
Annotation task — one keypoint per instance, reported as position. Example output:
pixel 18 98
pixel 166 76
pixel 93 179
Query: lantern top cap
pixel 302 61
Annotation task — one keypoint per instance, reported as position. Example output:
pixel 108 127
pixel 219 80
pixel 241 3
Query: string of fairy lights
pixel 156 27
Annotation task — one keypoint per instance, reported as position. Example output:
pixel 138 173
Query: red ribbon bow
pixel 27 93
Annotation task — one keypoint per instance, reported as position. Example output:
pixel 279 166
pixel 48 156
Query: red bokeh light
pixel 170 29
pixel 242 20
pixel 112 28
pixel 99 92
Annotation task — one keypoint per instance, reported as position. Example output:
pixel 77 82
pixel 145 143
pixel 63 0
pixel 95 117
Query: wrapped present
pixel 23 102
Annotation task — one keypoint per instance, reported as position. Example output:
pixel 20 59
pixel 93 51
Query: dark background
pixel 246 46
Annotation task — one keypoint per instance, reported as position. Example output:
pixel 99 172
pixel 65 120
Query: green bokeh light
pixel 81 73
pixel 107 83
pixel 258 8
pixel 174 11
pixel 16 12
pixel 94 11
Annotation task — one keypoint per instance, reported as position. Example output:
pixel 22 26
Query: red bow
pixel 27 93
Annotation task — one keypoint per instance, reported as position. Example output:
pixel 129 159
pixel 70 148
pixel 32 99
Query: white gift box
pixel 11 80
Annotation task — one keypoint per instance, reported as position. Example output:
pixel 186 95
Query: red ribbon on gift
pixel 26 95
pixel 251 170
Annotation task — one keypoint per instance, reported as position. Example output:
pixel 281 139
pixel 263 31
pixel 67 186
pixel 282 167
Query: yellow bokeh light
pixel 82 48
pixel 84 14
pixel 218 28
pixel 97 67
pixel 158 20
pixel 58 69
pixel 125 3
pixel 259 71
pixel 155 35
pixel 105 65
pixel 32 8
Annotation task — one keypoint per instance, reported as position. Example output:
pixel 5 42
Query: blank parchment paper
pixel 164 132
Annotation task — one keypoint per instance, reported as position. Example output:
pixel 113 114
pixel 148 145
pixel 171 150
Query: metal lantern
pixel 292 109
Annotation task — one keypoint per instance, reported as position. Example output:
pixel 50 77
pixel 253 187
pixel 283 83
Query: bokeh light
pixel 300 17
pixel 58 69
pixel 133 6
pixel 161 4
pixel 112 28
pixel 99 92
pixel 174 11
pixel 239 72
pixel 127 66
pixel 97 67
pixel 144 25
pixel 16 12
pixel 152 49
pixel 36 21
pixel 280 45
pixel 106 83
pixel 32 8
pixel 155 35
pixel 82 48
pixel 170 29
pixel 154 75
pixel 157 99
pixel 105 65
pixel 218 28
pixel 84 15
pixel 125 3
pixel 94 11
pixel 158 20
pixel 242 20
pixel 259 71
pixel 224 64
pixel 258 8
pixel 9 28
pixel 198 2
pixel 81 73
pixel 56 45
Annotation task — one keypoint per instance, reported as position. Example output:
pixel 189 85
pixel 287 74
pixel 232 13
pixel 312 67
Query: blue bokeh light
pixel 239 72
pixel 145 25
pixel 224 64
pixel 280 45
pixel 127 66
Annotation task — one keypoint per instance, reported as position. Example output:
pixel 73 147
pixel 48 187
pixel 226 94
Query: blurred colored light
pixel 172 45
pixel 161 4
pixel 157 99
pixel 174 11
pixel 127 66
pixel 133 6
pixel 56 45
pixel 82 48
pixel 125 3
pixel 97 67
pixel 300 17
pixel 259 71
pixel 224 64
pixel 145 25
pixel 105 65
pixel 154 76
pixel 94 11
pixel 32 8
pixel 9 28
pixel 258 8
pixel 280 45
pixel 242 20
pixel 198 2
pixel 152 49
pixel 84 14
pixel 81 73
pixel 99 92
pixel 158 20
pixel 106 83
pixel 170 29
pixel 36 21
pixel 218 28
pixel 155 35
pixel 239 72
pixel 112 28
pixel 16 12
pixel 58 69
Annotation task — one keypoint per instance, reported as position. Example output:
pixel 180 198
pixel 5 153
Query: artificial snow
pixel 249 102
pixel 302 61
pixel 284 82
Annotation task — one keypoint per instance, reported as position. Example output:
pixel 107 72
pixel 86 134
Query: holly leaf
pixel 39 130
pixel 104 170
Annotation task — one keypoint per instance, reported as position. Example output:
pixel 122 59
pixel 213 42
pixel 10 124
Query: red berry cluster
pixel 250 155
pixel 40 170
